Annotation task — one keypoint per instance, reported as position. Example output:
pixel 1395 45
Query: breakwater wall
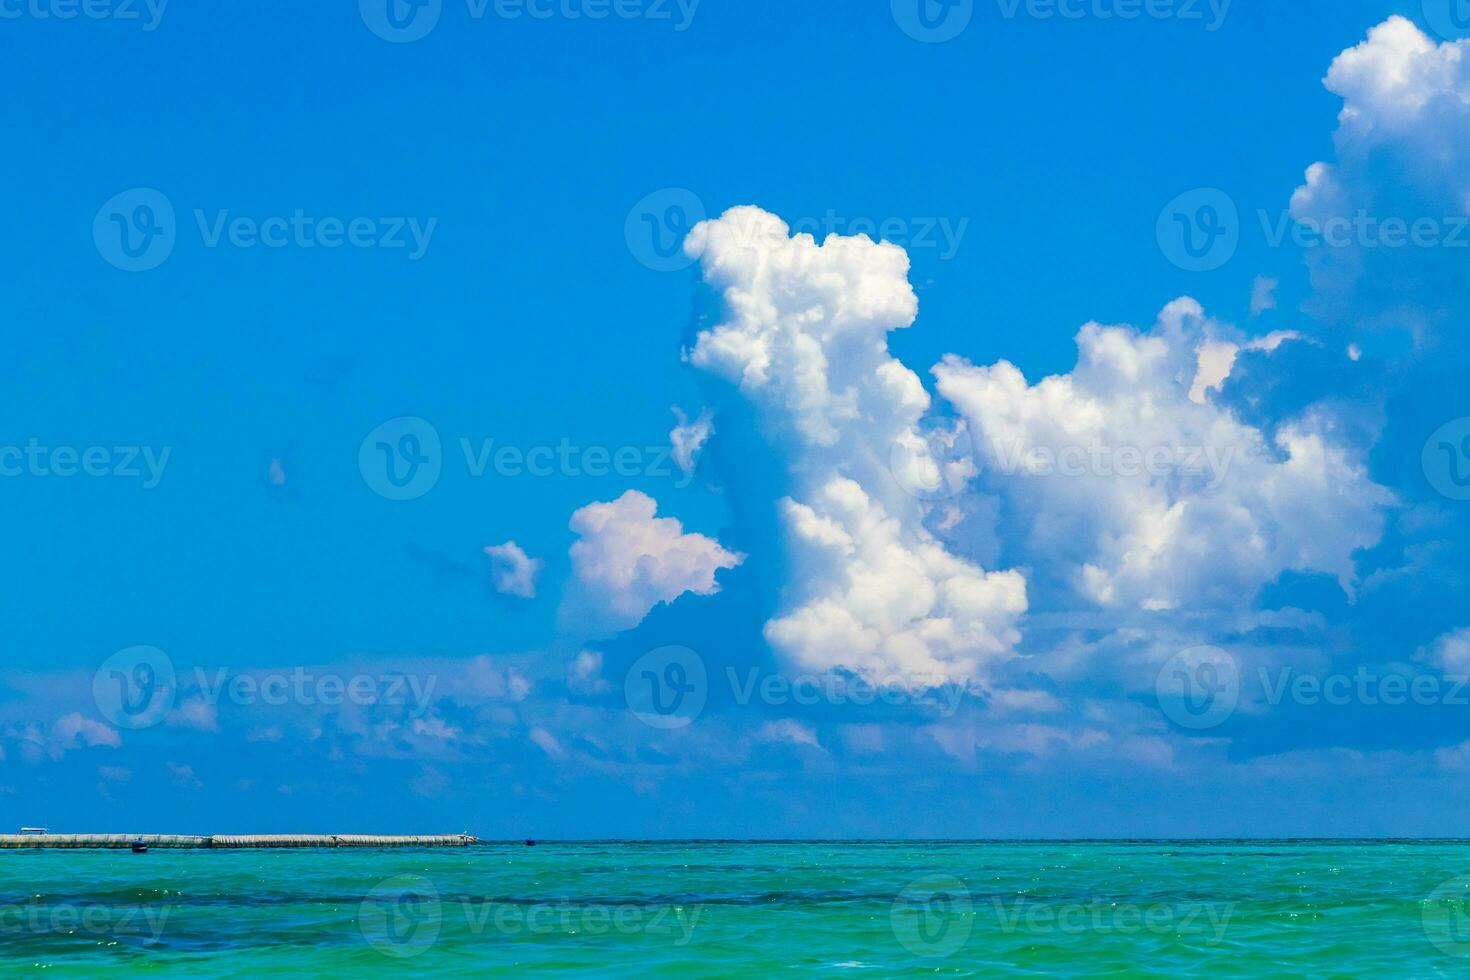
pixel 222 841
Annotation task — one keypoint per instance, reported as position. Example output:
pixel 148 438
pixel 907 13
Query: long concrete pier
pixel 222 842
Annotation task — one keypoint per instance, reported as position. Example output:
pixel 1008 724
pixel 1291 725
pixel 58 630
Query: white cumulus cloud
pixel 884 598
pixel 1397 75
pixel 804 335
pixel 1392 206
pixel 1153 499
pixel 629 560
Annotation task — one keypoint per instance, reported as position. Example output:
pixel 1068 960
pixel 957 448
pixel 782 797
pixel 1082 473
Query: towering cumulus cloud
pixel 1124 484
pixel 805 337
pixel 1147 495
pixel 1390 212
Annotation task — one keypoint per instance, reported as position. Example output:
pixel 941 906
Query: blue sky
pixel 500 287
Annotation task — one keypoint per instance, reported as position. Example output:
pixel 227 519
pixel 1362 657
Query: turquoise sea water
pixel 1162 909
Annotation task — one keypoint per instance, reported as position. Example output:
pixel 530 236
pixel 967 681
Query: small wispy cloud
pixel 1263 294
pixel 688 438
pixel 512 571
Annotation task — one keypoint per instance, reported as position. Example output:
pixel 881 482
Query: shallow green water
pixel 739 909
